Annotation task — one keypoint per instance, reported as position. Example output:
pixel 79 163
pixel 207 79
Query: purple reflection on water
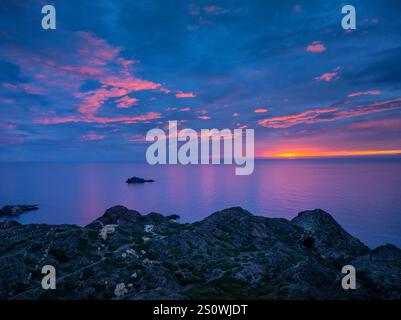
pixel 363 195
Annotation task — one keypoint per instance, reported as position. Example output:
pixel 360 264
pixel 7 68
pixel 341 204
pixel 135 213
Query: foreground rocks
pixel 231 254
pixel 16 210
pixel 134 180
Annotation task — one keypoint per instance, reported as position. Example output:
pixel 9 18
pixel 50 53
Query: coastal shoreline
pixel 231 254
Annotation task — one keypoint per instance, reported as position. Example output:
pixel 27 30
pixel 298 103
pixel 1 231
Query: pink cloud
pixel 371 92
pixel 96 59
pixel 84 70
pixel 316 47
pixel 164 90
pixel 377 125
pixel 329 114
pixel 204 117
pixel 94 119
pixel 130 83
pixel 185 109
pixel 182 95
pixel 97 48
pixel 235 114
pixel 261 110
pixel 329 76
pixel 126 102
pixel 241 126
pixel 93 100
pixel 137 138
pixel 26 87
pixel 91 137
pixel 32 89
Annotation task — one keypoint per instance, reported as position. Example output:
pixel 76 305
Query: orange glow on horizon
pixel 322 154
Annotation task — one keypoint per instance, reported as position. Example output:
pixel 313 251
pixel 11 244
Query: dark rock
pixel 381 267
pixel 173 217
pixel 137 180
pixel 229 255
pixel 328 237
pixel 16 210
pixel 309 242
pixel 116 214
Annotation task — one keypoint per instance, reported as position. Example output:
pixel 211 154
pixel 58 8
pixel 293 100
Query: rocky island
pixel 231 254
pixel 135 180
pixel 16 210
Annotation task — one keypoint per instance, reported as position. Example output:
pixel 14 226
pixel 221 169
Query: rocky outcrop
pixel 230 254
pixel 16 210
pixel 135 180
pixel 327 237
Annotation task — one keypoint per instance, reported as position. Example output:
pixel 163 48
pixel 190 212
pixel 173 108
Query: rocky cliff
pixel 230 254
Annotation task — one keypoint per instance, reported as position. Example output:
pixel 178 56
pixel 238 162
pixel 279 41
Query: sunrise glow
pixel 324 154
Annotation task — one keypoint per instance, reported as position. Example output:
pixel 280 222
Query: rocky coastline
pixel 231 254
pixel 16 210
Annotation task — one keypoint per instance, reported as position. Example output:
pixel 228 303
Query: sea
pixel 363 195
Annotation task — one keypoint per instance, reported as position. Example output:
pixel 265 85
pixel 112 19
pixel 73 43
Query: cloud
pixel 371 92
pixel 261 110
pixel 25 87
pixel 316 47
pixel 182 95
pixel 94 119
pixel 130 83
pixel 91 137
pixel 329 114
pixel 329 76
pixel 63 73
pixel 204 117
pixel 377 125
pixel 93 100
pixel 126 102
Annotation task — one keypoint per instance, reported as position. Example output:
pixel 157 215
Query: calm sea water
pixel 364 196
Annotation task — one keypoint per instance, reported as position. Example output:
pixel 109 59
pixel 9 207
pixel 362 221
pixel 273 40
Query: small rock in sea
pixel 16 210
pixel 138 180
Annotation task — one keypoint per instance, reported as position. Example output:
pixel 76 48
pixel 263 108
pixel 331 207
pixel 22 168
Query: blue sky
pixel 112 70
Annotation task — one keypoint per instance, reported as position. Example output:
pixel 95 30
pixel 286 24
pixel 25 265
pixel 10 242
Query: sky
pixel 114 69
